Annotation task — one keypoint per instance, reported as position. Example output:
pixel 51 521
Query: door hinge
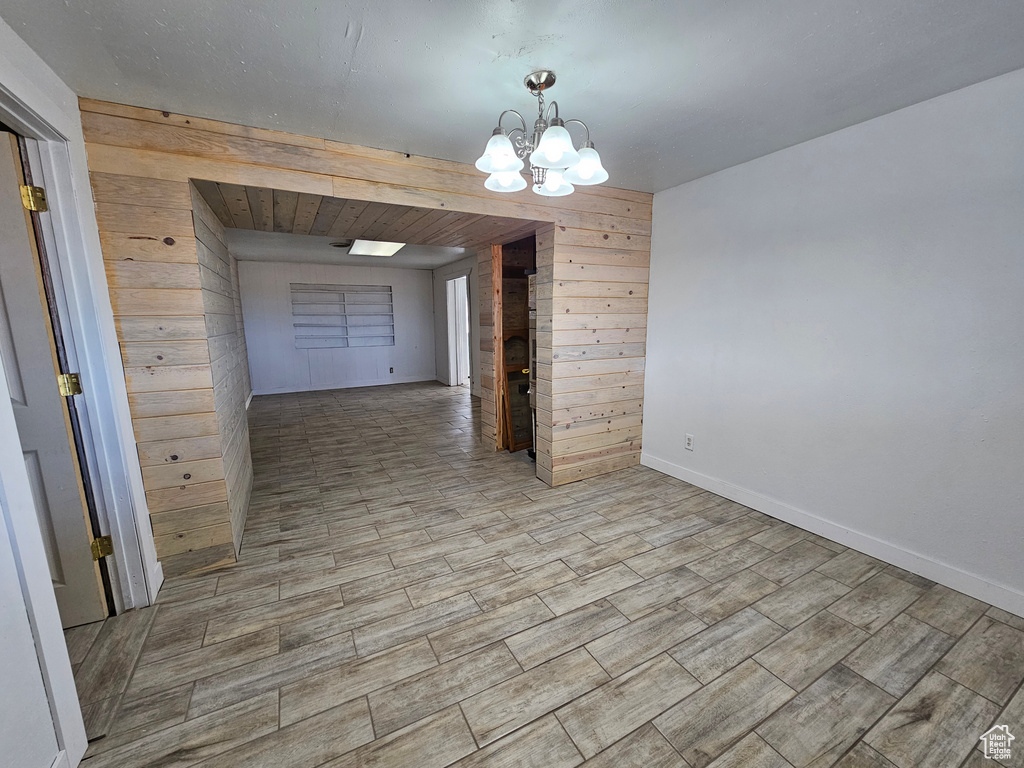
pixel 69 384
pixel 102 547
pixel 34 198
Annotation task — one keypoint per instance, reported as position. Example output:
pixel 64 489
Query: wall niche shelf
pixel 342 316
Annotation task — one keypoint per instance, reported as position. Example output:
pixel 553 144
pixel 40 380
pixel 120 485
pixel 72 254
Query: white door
pixel 458 331
pixel 26 726
pixel 462 329
pixel 40 719
pixel 27 348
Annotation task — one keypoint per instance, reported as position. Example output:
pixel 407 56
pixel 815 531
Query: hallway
pixel 406 597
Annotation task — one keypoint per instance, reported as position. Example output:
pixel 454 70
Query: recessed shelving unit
pixel 342 316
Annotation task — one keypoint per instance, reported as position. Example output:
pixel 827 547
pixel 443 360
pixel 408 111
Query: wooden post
pixel 499 349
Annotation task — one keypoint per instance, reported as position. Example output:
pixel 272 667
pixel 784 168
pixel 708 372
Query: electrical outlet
pixel 391 370
pixel 689 442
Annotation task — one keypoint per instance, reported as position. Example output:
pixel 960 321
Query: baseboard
pixel 353 385
pixel 156 580
pixel 248 400
pixel 963 581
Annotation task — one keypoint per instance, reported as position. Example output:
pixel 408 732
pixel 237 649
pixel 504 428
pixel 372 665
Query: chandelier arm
pixel 522 145
pixel 585 128
pixel 512 111
pixel 552 104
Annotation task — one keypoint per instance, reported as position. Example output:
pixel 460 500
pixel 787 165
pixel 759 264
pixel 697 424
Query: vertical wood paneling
pixel 497 343
pixel 490 329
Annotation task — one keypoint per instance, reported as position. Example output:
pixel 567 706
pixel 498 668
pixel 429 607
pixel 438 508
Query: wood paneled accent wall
pixel 592 311
pixel 592 322
pixel 150 252
pixel 229 361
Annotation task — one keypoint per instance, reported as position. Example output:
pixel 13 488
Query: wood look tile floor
pixel 407 597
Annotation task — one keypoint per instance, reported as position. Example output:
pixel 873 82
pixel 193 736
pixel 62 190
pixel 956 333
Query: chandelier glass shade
pixel 556 165
pixel 499 156
pixel 506 181
pixel 554 184
pixel 555 149
pixel 588 170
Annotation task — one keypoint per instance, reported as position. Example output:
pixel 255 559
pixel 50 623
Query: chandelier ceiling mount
pixel 538 81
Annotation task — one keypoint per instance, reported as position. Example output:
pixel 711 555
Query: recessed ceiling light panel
pixel 374 248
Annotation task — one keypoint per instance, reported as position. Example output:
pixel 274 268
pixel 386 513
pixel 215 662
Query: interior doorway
pixel 518 262
pixel 32 349
pixel 458 332
pixel 297 280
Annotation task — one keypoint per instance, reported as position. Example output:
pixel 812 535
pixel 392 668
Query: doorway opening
pixel 517 363
pixel 460 371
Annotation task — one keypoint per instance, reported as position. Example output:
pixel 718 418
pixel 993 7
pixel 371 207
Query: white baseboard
pixel 415 379
pixel 156 580
pixel 248 400
pixel 963 581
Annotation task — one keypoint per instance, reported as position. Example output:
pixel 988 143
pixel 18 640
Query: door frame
pixel 53 435
pixel 452 305
pixel 82 302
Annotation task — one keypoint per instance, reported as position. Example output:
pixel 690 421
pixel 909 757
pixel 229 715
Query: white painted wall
pixel 275 365
pixel 840 325
pixel 442 275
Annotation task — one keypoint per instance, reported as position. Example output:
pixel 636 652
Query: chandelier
pixel 555 163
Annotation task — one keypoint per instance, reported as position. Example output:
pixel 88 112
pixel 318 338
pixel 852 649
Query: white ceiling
pixel 252 245
pixel 671 90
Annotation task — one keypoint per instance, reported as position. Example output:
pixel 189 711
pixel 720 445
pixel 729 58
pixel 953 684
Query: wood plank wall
pixel 153 273
pixel 592 317
pixel 489 288
pixel 544 286
pixel 229 361
pixel 597 247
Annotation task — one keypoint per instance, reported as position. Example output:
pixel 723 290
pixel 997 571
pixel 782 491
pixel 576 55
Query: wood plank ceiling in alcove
pixel 274 210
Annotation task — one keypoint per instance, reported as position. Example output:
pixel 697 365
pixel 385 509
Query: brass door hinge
pixel 69 384
pixel 102 547
pixel 34 198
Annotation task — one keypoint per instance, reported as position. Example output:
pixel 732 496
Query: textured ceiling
pixel 672 91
